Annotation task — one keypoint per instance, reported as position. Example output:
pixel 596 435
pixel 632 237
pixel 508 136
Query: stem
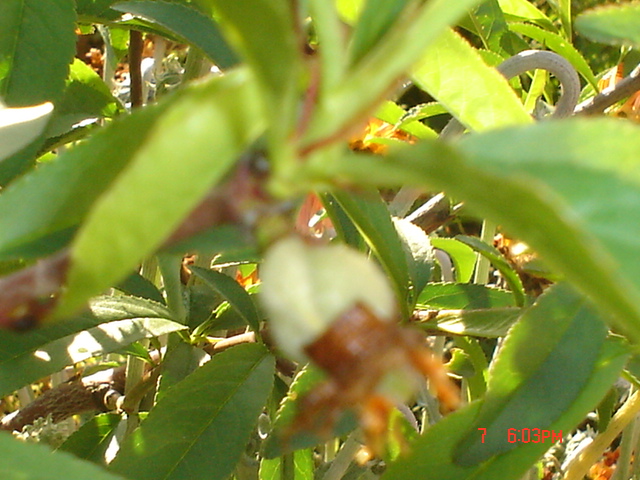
pixel 627 445
pixel 170 269
pixel 623 417
pixel 134 374
pixel 344 458
pixel 483 265
pixel 135 73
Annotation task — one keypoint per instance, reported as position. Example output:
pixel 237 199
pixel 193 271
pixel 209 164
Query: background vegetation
pixel 142 187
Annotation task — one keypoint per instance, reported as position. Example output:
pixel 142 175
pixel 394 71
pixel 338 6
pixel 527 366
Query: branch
pixel 612 95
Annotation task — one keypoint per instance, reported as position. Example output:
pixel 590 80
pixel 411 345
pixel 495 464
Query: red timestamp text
pixel 529 435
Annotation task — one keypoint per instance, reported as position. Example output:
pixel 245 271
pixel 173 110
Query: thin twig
pixel 610 96
pixel 135 71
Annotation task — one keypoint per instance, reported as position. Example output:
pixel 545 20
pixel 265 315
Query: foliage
pixel 103 204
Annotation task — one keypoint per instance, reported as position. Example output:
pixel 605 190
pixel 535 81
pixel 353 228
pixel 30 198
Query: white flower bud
pixel 306 287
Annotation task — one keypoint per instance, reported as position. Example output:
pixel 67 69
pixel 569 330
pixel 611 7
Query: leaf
pixel 86 96
pixel 23 461
pixel 433 452
pixel 566 168
pixel 231 291
pixel 560 362
pixel 112 323
pixel 615 24
pixel 486 322
pixel 522 10
pixel 463 296
pixel 96 11
pixel 164 182
pixel 53 209
pixel 21 126
pixel 592 182
pixel 91 440
pixel 559 45
pixel 301 461
pixel 444 72
pixel 419 254
pixel 371 216
pixel 199 429
pixel 391 58
pixel 189 24
pixel 37 43
pixel 374 21
pixel 500 263
pixel 463 257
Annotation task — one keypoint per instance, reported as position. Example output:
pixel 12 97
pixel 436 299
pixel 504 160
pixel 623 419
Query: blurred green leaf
pixel 302 464
pixel 486 322
pixel 487 102
pixel 26 461
pixel 280 442
pixel 199 429
pixel 371 217
pixel 614 24
pixel 164 181
pixel 186 22
pixel 374 21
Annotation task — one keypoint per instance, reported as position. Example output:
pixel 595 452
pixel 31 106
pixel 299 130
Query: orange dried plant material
pixel 376 129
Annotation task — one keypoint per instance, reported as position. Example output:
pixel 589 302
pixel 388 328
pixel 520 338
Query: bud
pixel 306 287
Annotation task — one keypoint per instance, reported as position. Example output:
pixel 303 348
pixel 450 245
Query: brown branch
pixel 610 96
pixel 90 394
pixel 135 70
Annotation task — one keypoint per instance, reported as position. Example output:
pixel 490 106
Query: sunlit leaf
pixel 200 428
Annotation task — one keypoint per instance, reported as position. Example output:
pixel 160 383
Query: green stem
pixel 170 269
pixel 344 458
pixel 483 265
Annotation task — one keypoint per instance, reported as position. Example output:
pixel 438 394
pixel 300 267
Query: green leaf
pixel 263 32
pixel 98 11
pixel 592 182
pixel 487 102
pixel 200 428
pixel 522 10
pixel 485 322
pixel 391 58
pixel 53 209
pixel 559 45
pixel 433 452
pixel 86 96
pixel 301 461
pixel 500 263
pixel 533 391
pixel 615 24
pixel 463 257
pixel 25 461
pixel 546 190
pixel 113 322
pixel 418 254
pixel 232 292
pixel 188 23
pixel 374 21
pixel 91 440
pixel 371 216
pixel 164 182
pixel 463 296
pixel 37 43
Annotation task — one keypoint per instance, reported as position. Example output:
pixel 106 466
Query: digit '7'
pixel 484 432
